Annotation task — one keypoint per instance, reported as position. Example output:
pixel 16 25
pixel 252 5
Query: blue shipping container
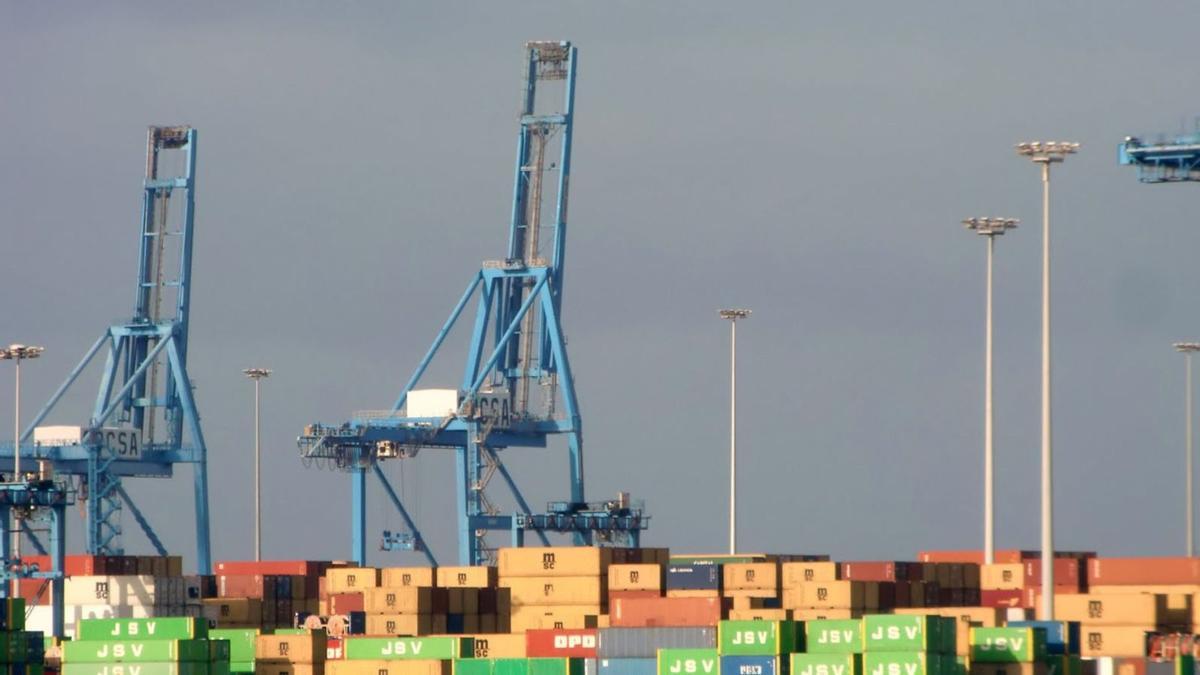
pixel 627 666
pixel 752 665
pixel 1062 637
pixel 694 578
pixel 644 643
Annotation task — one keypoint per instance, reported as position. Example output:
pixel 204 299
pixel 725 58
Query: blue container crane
pixel 1164 161
pixel 145 401
pixel 516 366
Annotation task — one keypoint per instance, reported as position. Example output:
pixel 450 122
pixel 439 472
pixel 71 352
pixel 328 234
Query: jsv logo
pixel 1002 645
pixel 896 669
pixel 692 666
pixel 120 650
pixel 133 629
pixel 750 637
pixel 822 669
pixel 835 637
pixel 402 648
pixel 896 633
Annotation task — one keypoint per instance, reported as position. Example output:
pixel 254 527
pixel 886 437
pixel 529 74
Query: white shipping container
pixel 57 435
pixel 132 590
pixel 1016 614
pixel 431 402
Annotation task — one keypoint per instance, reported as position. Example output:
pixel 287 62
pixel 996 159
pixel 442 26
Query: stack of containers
pixel 688 661
pixel 291 653
pixel 908 645
pixel 996 651
pixel 475 589
pixel 1119 624
pixel 818 590
pixel 634 651
pixel 753 590
pixel 693 598
pixel 400 656
pixel 966 618
pixel 555 587
pixel 160 645
pixel 758 647
pixel 404 602
pixel 834 647
pixel 635 580
pixel 21 651
pixel 562 643
pixel 242 643
pixel 265 594
pixel 1178 579
pixel 1062 642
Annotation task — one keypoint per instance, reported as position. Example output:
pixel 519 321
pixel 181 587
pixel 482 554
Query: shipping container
pixel 402 577
pixel 1140 571
pixel 161 628
pixel 306 568
pixel 567 561
pixel 1003 577
pixel 753 665
pixel 977 668
pixel 109 668
pixel 644 643
pixel 1113 610
pixel 826 664
pixel 242 642
pixel 688 662
pixel 1105 640
pixel 693 578
pixel 1062 637
pixel 401 600
pixel 113 590
pixel 903 663
pixel 498 646
pixel 759 638
pixel 1008 645
pixel 396 625
pixel 405 667
pixel 646 666
pixel 750 576
pixel 904 633
pixel 635 577
pixel 818 614
pixel 466 577
pixel 131 651
pixel 557 590
pixel 835 636
pixel 829 595
pixel 350 579
pixel 651 612
pixel 376 648
pixel 793 573
pixel 561 643
pixel 308 648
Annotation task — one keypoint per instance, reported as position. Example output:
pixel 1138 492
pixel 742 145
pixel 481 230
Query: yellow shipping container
pixel 822 614
pixel 1111 640
pixel 397 667
pixel 1002 577
pixel 646 577
pixel 466 577
pixel 750 576
pixel 410 600
pixel 758 615
pixel 305 648
pixel 794 573
pixel 401 577
pixel 399 624
pixel 575 616
pixel 556 590
pixel 830 595
pixel 506 646
pixel 350 579
pixel 1110 610
pixel 557 561
pixel 230 611
pixel 282 668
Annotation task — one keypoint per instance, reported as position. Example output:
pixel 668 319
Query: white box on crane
pixel 437 403
pixel 57 435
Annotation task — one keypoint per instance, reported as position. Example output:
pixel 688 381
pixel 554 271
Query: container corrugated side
pixel 644 643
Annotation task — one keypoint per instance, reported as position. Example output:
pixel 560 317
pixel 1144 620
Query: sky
pixel 809 161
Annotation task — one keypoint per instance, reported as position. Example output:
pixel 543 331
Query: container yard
pixel 578 587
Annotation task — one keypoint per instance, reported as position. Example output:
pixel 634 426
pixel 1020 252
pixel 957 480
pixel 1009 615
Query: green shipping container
pixel 759 638
pixel 530 666
pixel 241 666
pixel 143 651
pixel 1185 664
pixel 826 664
pixel 13 610
pixel 1008 645
pixel 135 669
pixel 291 631
pixel 902 663
pixel 834 636
pixel 241 643
pixel 162 628
pixel 371 648
pixel 219 668
pixel 688 662
pixel 905 633
pixel 473 666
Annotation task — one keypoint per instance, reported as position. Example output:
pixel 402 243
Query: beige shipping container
pixel 284 668
pixel 644 577
pixel 1002 577
pixel 412 600
pixel 131 590
pixel 1111 640
pixel 556 590
pixel 350 579
pixel 399 624
pixel 830 595
pixel 1163 589
pixel 397 667
pixel 506 646
pixel 555 561
pixel 750 576
pixel 402 577
pixel 575 616
pixel 758 615
pixel 809 614
pixel 1110 610
pixel 306 648
pixel 795 573
pixel 466 577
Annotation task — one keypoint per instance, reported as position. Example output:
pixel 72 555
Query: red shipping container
pixel 1066 573
pixel 1009 598
pixel 881 571
pixel 1006 557
pixel 344 603
pixel 1142 571
pixel 307 568
pixel 246 586
pixel 561 643
pixel 653 612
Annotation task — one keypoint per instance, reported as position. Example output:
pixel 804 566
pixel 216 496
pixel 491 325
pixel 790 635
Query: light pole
pixel 257 374
pixel 1046 154
pixel 16 354
pixel 990 228
pixel 1188 348
pixel 733 315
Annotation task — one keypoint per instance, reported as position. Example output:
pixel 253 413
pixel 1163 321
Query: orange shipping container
pixel 750 576
pixel 564 561
pixel 759 615
pixel 794 573
pixel 535 617
pixel 830 595
pixel 822 614
pixel 306 648
pixel 1141 571
pixel 652 612
pixel 466 577
pixel 284 668
pixel 509 646
pixel 556 590
pixel 399 577
pixel 1110 610
pixel 1002 577
pixel 396 667
pixel 350 579
pixel 1112 640
pixel 642 577
pixel 399 624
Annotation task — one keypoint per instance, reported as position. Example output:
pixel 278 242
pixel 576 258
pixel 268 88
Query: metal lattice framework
pixel 1173 161
pixel 517 388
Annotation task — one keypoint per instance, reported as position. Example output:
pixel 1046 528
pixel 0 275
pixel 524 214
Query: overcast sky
pixel 809 162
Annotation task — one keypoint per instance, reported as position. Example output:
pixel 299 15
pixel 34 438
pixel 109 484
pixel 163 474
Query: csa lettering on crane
pixel 402 648
pixel 692 666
